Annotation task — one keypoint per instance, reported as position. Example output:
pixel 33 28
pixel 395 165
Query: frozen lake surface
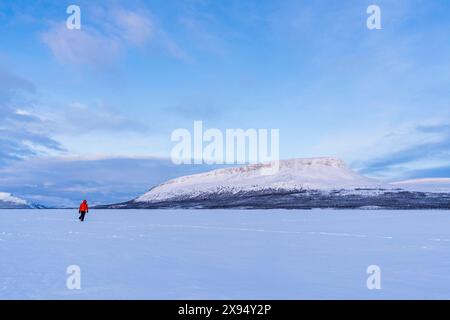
pixel 224 254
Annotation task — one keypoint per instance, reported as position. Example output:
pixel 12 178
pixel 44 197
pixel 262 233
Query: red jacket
pixel 84 206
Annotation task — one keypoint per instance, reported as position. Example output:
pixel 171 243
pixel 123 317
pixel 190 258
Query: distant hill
pixel 8 201
pixel 298 183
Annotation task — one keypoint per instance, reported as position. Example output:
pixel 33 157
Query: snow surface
pixel 224 254
pixel 295 174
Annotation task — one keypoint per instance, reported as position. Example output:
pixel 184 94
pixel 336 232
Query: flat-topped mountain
pixel 296 183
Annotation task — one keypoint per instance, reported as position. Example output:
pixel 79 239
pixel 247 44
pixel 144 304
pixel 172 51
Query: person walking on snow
pixel 84 208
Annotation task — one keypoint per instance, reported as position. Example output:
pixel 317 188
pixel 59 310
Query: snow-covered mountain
pixel 297 184
pixel 295 174
pixel 8 201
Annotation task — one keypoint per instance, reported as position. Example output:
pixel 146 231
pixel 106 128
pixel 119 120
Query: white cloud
pixel 135 28
pixel 81 46
pixel 22 134
pixel 105 39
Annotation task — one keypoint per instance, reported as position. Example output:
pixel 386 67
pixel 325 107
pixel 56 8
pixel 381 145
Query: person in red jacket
pixel 84 208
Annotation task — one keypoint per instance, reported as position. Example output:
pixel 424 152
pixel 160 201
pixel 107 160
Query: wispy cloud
pixel 77 117
pixel 427 150
pixel 133 27
pixel 29 128
pixel 86 46
pixel 11 83
pixel 21 133
pixel 107 34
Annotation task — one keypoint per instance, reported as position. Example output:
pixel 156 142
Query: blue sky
pixel 137 70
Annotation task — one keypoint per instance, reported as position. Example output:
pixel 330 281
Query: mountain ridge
pixel 8 201
pixel 304 183
pixel 293 174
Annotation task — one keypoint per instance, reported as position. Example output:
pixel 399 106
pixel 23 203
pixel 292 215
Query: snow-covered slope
pixel 297 184
pixel 295 174
pixel 8 201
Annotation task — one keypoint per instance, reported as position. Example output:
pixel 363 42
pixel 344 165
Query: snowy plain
pixel 225 254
